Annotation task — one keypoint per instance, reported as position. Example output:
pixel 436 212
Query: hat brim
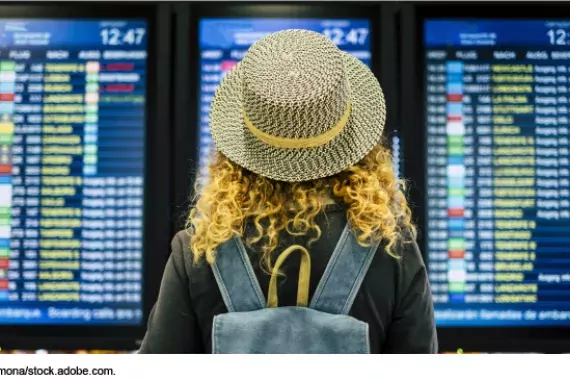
pixel 362 132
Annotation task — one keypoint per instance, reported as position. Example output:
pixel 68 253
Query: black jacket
pixel 395 298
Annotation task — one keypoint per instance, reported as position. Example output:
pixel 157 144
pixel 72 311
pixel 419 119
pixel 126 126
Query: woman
pixel 298 127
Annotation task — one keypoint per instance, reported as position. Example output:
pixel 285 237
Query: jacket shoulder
pixel 181 241
pixel 180 248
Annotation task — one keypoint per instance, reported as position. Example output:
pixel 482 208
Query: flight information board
pixel 224 42
pixel 498 174
pixel 72 137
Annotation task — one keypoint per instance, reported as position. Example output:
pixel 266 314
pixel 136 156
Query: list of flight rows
pixel 76 237
pixel 517 175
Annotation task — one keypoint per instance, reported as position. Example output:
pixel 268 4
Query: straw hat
pixel 297 108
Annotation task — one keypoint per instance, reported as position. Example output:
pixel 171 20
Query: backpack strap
pixel 236 278
pixel 343 275
pixel 304 277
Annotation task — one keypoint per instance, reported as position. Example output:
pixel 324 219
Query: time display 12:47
pixel 354 36
pixel 116 36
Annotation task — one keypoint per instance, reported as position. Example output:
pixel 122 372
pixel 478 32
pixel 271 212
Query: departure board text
pixel 497 97
pixel 72 111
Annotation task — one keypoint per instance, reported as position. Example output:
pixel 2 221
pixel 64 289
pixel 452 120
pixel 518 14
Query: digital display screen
pixel 224 42
pixel 72 139
pixel 498 171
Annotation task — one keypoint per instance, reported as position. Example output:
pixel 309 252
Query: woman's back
pixel 391 300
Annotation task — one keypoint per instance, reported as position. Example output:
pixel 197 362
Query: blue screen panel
pixel 498 174
pixel 72 141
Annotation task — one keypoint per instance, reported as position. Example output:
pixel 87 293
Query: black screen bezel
pixel 187 110
pixel 472 339
pixel 155 236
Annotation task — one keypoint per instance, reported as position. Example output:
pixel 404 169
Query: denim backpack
pixel 253 326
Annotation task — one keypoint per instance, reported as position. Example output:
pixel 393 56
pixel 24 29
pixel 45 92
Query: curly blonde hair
pixel 375 205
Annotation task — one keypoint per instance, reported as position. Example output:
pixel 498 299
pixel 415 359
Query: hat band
pixel 306 142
